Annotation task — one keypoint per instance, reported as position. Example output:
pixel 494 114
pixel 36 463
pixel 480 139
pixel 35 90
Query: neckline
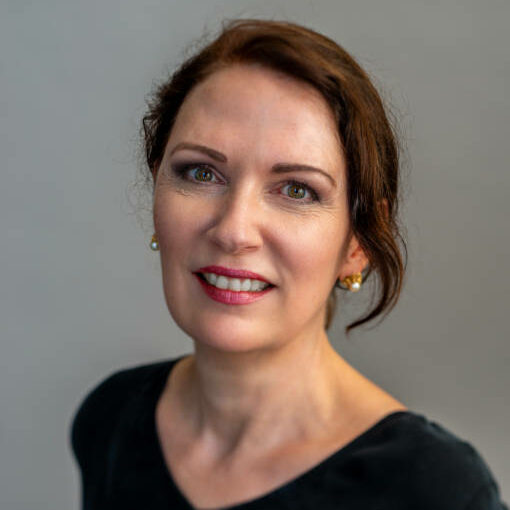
pixel 260 500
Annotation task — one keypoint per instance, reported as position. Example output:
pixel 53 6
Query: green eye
pixel 300 192
pixel 296 191
pixel 203 174
pixel 195 172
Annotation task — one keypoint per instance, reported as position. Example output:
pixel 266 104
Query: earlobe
pixel 357 253
pixel 154 173
pixel 356 260
pixel 154 170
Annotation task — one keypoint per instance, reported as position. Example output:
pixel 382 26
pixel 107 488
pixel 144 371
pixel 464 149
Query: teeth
pixel 246 285
pixel 235 284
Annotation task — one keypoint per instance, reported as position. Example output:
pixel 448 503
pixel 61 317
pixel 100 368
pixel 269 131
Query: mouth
pixel 233 284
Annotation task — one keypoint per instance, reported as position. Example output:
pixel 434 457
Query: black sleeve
pixel 92 429
pixel 448 472
pixel 487 497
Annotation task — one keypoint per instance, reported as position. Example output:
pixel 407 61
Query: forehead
pixel 256 111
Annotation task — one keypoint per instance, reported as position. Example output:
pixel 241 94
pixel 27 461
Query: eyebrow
pixel 279 168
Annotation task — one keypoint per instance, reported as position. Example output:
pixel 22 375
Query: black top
pixel 404 461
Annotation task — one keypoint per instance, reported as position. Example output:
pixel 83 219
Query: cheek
pixel 174 221
pixel 314 251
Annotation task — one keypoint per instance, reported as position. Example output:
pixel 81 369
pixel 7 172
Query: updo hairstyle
pixel 369 141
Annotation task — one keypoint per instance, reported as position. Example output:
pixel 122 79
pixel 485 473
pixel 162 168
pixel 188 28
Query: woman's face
pixel 235 189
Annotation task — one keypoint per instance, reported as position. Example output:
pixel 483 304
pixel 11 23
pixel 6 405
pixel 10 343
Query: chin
pixel 227 337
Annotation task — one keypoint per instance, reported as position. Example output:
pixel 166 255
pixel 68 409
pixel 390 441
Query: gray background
pixel 81 292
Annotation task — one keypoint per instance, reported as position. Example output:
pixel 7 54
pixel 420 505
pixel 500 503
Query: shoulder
pixel 435 465
pixel 95 417
pixel 434 446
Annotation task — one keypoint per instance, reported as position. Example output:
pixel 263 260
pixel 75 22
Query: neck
pixel 239 402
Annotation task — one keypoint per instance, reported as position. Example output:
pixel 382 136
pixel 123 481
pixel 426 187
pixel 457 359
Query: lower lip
pixel 231 297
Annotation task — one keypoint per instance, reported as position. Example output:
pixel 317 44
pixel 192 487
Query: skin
pixel 231 419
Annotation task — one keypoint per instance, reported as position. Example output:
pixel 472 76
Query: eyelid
pixel 182 168
pixel 314 195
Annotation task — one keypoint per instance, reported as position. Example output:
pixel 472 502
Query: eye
pixel 300 191
pixel 198 172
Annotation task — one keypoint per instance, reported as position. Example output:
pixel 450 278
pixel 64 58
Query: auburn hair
pixel 368 139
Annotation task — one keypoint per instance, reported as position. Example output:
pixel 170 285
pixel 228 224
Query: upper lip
pixel 233 273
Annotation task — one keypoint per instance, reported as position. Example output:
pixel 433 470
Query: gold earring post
pixel 353 282
pixel 154 243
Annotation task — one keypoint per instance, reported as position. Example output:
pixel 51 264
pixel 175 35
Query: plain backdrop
pixel 81 292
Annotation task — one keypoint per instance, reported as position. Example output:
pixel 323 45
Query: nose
pixel 236 222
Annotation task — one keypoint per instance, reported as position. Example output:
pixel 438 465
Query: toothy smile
pixel 234 284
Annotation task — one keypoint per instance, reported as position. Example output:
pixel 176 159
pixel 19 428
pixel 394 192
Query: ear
pixel 154 171
pixel 355 259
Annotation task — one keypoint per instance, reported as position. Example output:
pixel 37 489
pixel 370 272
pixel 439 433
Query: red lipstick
pixel 231 297
pixel 232 273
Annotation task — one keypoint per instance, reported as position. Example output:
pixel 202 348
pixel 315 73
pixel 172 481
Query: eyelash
pixel 181 170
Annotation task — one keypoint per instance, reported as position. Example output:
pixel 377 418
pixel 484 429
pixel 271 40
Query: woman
pixel 275 176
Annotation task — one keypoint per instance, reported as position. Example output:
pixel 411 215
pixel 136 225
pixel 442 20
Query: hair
pixel 368 139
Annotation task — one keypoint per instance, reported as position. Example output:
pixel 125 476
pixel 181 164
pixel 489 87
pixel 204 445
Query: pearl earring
pixel 154 243
pixel 352 282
